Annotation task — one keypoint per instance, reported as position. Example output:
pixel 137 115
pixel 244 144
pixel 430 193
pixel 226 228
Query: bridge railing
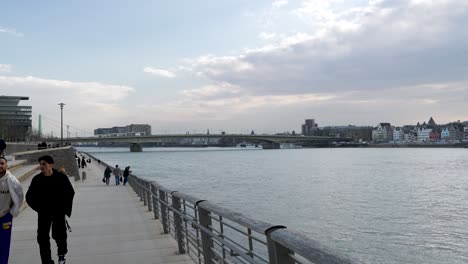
pixel 211 234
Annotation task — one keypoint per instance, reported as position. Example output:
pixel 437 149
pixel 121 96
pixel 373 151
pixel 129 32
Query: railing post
pixel 143 183
pixel 164 217
pixel 140 190
pixel 148 195
pixel 154 193
pixel 178 222
pixel 277 253
pixel 207 242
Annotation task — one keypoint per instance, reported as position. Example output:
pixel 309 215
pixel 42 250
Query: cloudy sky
pixel 236 65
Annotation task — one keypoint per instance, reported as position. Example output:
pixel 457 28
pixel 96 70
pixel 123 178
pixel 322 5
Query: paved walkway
pixel 110 225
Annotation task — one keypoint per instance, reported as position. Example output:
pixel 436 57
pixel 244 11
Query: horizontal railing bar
pixel 256 225
pixel 244 233
pixel 308 248
pixel 186 197
pixel 246 249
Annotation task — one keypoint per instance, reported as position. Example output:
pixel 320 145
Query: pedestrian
pixel 117 174
pixel 126 173
pixel 79 162
pixel 83 162
pixel 11 199
pixel 51 196
pixel 107 174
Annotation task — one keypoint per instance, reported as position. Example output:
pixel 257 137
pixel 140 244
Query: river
pixel 377 205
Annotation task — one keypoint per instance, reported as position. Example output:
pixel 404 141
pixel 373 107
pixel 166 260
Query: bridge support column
pixel 135 147
pixel 271 145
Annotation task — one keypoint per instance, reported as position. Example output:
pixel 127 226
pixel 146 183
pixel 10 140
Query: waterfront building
pixel 382 133
pixel 423 134
pixel 15 119
pixel 398 134
pixel 444 135
pixel 434 135
pixel 310 128
pixel 455 131
pixel 130 130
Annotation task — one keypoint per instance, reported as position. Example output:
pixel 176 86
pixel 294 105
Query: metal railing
pixel 211 234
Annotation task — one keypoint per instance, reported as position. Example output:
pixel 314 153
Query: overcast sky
pixel 236 65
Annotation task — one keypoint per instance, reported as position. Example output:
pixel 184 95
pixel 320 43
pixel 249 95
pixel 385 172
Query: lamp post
pixel 61 123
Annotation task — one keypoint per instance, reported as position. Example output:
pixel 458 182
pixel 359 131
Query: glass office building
pixel 15 119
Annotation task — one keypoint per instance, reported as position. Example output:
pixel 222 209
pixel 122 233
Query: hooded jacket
pixel 51 195
pixel 16 193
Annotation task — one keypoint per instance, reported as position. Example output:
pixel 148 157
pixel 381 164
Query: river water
pixel 377 205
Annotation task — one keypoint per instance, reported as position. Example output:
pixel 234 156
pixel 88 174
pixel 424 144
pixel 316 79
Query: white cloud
pixel 267 36
pixel 11 31
pixel 279 3
pixel 160 72
pixel 212 91
pixel 88 104
pixel 5 68
pixel 382 44
pixel 91 90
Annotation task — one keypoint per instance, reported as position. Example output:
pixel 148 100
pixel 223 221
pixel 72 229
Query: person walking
pixel 11 200
pixel 79 163
pixel 83 162
pixel 107 174
pixel 51 196
pixel 117 174
pixel 126 173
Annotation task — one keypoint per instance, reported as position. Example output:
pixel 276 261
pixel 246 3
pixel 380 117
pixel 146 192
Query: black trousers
pixel 59 234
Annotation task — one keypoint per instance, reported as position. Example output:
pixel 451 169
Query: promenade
pixel 110 225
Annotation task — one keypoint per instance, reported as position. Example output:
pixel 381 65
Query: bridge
pixel 267 141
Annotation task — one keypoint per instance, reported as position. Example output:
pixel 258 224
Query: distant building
pixel 465 130
pixel 456 131
pixel 423 134
pixel 431 122
pixel 130 130
pixel 445 134
pixel 382 133
pixel 434 135
pixel 15 119
pixel 398 134
pixel 310 128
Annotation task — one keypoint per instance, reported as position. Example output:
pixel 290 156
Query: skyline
pixel 225 65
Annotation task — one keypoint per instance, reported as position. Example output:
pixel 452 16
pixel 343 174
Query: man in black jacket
pixel 51 196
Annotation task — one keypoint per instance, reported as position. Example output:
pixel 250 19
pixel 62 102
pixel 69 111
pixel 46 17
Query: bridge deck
pixel 109 224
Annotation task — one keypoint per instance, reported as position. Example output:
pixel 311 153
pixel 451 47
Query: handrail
pixel 189 220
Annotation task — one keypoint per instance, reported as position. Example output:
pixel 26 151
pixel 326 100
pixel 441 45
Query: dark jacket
pixel 51 195
pixel 107 172
pixel 126 172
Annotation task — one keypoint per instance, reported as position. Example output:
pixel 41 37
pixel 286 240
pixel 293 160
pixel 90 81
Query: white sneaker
pixel 61 260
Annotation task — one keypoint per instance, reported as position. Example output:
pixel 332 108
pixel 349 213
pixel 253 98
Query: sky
pixel 236 65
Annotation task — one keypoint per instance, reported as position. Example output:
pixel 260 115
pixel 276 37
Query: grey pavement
pixel 110 225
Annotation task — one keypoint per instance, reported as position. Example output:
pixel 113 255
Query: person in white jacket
pixel 11 200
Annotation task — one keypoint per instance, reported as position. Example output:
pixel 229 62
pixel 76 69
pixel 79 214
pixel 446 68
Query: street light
pixel 61 123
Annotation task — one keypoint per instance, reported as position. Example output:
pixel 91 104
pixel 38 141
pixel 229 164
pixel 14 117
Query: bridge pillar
pixel 271 145
pixel 135 147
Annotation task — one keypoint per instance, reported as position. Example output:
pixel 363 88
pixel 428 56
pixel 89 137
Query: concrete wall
pixel 62 156
pixel 18 147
